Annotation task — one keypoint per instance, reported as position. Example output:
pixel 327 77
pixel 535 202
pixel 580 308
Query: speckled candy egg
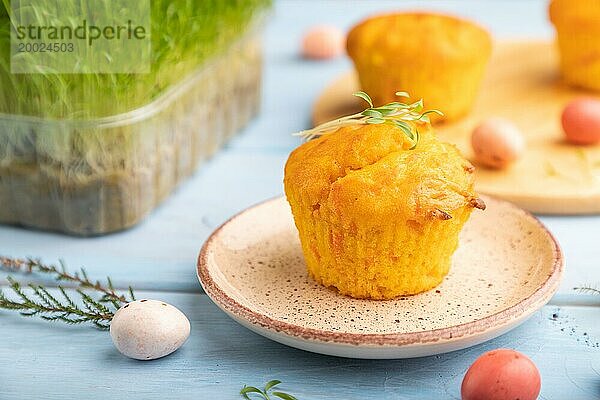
pixel 149 329
pixel 497 143
pixel 501 374
pixel 323 42
pixel 581 121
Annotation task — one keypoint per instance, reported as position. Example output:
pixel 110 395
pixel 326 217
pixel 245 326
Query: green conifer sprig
pixel 36 300
pixel 588 289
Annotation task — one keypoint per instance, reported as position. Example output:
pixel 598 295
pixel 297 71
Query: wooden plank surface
pixel 43 361
pixel 56 361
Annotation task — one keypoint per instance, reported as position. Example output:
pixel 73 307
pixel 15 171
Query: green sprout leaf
pixel 371 112
pixel 441 114
pixel 375 121
pixel 365 97
pixel 408 130
pixel 284 396
pixel 271 384
pixel 416 140
pixel 251 389
pixel 264 394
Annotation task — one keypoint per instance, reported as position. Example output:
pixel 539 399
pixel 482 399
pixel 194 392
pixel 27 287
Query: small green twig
pixel 50 308
pixel 38 301
pixel 405 116
pixel 30 265
pixel 266 392
pixel 587 290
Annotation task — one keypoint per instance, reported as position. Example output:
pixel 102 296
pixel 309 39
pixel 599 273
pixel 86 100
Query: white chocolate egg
pixel 497 143
pixel 148 329
pixel 323 42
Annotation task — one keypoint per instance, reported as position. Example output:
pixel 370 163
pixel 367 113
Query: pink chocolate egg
pixel 323 42
pixel 581 121
pixel 497 143
pixel 502 374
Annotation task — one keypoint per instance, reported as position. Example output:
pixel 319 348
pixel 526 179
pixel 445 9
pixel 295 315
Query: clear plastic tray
pixel 104 175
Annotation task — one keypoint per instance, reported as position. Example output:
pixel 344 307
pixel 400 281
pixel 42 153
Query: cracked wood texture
pixel 53 361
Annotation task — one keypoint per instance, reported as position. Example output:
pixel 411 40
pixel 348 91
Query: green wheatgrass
pixel 184 33
pixel 66 171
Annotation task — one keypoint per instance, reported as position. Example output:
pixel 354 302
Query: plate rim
pixel 447 334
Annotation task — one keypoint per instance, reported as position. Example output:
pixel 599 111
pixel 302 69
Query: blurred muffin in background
pixel 435 57
pixel 577 24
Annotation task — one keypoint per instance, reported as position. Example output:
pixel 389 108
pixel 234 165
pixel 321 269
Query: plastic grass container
pixel 89 155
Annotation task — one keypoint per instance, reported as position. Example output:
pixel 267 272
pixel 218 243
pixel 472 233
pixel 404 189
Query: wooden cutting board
pixel 522 84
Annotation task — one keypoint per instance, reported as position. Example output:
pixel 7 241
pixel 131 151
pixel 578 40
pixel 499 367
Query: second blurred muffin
pixel 577 25
pixel 435 57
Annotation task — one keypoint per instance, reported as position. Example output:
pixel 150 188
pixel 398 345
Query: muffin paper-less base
pixel 377 261
pixel 100 176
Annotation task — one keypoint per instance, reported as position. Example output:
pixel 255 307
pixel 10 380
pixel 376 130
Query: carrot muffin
pixel 376 218
pixel 435 57
pixel 577 24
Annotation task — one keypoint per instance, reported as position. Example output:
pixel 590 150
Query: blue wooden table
pixel 39 360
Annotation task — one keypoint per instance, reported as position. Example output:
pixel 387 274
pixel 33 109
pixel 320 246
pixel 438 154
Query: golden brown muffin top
pixel 575 11
pixel 400 35
pixel 368 172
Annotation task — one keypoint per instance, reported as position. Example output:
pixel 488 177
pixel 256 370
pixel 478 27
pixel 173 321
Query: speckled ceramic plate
pixel 507 267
